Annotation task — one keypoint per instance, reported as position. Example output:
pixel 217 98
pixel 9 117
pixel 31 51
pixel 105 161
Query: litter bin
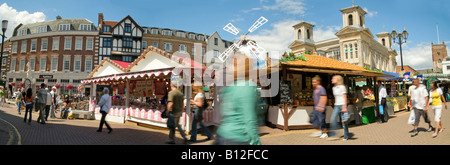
pixel 368 115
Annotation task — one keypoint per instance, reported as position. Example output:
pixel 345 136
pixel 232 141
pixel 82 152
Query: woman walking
pixel 436 99
pixel 340 107
pixel 200 105
pixel 105 105
pixel 28 105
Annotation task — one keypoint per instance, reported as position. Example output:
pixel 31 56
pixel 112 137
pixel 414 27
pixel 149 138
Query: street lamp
pixel 4 26
pixel 401 40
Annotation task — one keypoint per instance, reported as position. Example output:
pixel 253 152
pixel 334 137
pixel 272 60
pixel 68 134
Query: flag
pixel 406 76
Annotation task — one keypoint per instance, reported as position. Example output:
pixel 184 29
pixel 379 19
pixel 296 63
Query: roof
pixel 110 23
pixel 53 25
pixel 122 64
pixel 327 65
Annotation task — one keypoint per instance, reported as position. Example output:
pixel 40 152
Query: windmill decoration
pixel 248 47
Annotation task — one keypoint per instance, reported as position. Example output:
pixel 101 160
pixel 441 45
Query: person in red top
pixel 29 105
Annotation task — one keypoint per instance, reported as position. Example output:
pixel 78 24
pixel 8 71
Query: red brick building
pixel 407 68
pixel 60 51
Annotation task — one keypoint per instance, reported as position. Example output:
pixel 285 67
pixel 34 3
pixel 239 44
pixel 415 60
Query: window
pixel 55 45
pixel 144 44
pixel 14 47
pixel 127 59
pixel 85 27
pixel 44 43
pixel 22 64
pixel 42 29
pixel 203 51
pixel 33 46
pixel 64 27
pixel 181 34
pixel 192 36
pixel 168 47
pixel 23 32
pixel 155 44
pixel 3 61
pixel 216 53
pixel 79 44
pixel 32 64
pixel 107 42
pixel 356 50
pixel 127 42
pixel 438 53
pixel 154 31
pixel 23 48
pixel 383 41
pixel 216 41
pixel 308 35
pixel 193 50
pixel 299 33
pixel 127 28
pixel 106 28
pixel 77 64
pixel 66 63
pixel 13 64
pixel 88 65
pixel 90 44
pixel 350 19
pixel 167 32
pixel 43 64
pixel 54 63
pixel 351 51
pixel 182 48
pixel 360 21
pixel 346 52
pixel 67 43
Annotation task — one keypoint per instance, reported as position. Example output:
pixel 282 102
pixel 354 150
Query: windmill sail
pixel 261 21
pixel 231 29
pixel 224 56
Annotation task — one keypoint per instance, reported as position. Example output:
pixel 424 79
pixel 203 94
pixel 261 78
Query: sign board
pixel 46 76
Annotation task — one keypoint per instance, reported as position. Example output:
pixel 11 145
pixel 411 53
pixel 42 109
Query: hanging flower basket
pixel 20 85
pixel 13 83
pixel 57 86
pixel 70 86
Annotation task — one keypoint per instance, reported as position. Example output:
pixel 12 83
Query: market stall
pixel 291 108
pixel 139 90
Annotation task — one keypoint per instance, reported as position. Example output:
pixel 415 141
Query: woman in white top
pixel 340 108
pixel 199 106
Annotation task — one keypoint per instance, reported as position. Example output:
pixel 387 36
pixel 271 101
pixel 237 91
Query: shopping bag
pixel 411 118
pixel 381 108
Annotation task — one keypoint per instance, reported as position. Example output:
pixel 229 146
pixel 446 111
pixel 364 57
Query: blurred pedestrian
pixel 42 100
pixel 382 95
pixel 48 104
pixel 239 122
pixel 318 114
pixel 175 109
pixel 54 103
pixel 200 105
pixel 340 108
pixel 359 99
pixel 28 105
pixel 18 95
pixel 2 96
pixel 420 106
pixel 437 99
pixel 105 105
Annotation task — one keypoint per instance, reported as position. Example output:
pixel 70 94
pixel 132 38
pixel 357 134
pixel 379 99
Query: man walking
pixel 420 106
pixel 175 110
pixel 382 94
pixel 42 100
pixel 319 111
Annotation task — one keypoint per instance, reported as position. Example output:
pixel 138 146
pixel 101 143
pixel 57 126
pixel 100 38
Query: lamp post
pixel 401 40
pixel 4 26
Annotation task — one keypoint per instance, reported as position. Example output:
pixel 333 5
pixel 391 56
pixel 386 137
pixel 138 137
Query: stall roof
pixel 396 75
pixel 109 67
pixel 327 65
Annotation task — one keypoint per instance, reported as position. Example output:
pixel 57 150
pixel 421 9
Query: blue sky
pixel 419 17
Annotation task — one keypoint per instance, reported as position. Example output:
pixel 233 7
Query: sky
pixel 419 17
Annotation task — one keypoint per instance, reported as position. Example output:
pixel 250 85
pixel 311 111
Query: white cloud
pixel 325 33
pixel 286 6
pixel 418 56
pixel 370 14
pixel 276 38
pixel 15 17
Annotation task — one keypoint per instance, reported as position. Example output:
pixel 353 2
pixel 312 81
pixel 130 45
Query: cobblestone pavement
pixel 83 132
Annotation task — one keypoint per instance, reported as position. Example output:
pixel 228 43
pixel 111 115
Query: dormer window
pixel 167 32
pixel 106 28
pixel 127 28
pixel 42 29
pixel 64 27
pixel 23 32
pixel 85 27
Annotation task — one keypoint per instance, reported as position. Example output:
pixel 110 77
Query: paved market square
pixel 13 131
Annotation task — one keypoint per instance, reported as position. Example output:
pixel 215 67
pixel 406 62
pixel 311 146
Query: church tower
pixel 304 31
pixel 439 52
pixel 353 16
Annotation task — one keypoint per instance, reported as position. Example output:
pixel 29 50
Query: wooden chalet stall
pixel 291 108
pixel 138 89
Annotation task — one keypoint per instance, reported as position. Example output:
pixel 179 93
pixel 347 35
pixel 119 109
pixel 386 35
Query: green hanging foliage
pixel 292 57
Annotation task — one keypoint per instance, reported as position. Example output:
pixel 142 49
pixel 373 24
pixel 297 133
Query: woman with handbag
pixel 200 105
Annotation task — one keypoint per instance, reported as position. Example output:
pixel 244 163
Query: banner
pixel 144 88
pixel 406 76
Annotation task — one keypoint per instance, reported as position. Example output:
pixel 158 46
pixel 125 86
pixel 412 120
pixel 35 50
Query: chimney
pixel 100 19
